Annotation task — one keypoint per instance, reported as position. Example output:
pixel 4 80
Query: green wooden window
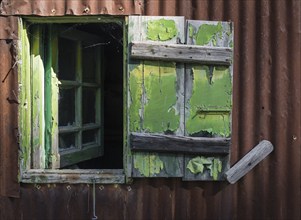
pixel 176 97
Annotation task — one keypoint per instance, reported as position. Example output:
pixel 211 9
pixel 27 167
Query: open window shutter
pixel 76 48
pixel 179 98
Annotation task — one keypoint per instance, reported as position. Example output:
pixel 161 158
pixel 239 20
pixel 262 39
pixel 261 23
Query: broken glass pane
pixel 67 141
pixel 88 105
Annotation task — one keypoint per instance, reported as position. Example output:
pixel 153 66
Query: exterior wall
pixel 266 100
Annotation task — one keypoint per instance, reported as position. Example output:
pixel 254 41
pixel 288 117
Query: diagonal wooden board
pixel 249 161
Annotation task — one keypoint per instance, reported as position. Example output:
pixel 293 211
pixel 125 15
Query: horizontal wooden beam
pixel 250 160
pixel 181 53
pixel 179 144
pixel 104 176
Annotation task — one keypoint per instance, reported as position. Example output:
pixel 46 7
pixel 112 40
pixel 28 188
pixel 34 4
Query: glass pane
pixel 88 105
pixel 67 106
pixel 89 137
pixel 67 59
pixel 67 141
pixel 89 64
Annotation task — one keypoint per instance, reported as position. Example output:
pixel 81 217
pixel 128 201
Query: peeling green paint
pixel 200 164
pixel 161 30
pixel 207 33
pixel 25 100
pixel 210 102
pixel 148 165
pixel 191 30
pixel 135 87
pixel 153 97
pixel 160 114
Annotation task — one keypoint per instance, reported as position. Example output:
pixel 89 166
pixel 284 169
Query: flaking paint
pixel 200 163
pixel 207 33
pixel 160 112
pixel 210 101
pixel 148 164
pixel 161 30
pixel 153 97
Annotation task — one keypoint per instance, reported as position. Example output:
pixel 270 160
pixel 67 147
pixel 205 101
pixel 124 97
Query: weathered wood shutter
pixel 179 98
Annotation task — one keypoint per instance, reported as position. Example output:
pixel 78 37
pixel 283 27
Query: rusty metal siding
pixel 8 120
pixel 70 7
pixel 9 28
pixel 266 99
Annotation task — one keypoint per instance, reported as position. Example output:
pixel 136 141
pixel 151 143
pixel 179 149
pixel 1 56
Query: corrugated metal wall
pixel 266 106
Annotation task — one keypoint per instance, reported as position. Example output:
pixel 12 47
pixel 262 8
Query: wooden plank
pixel 103 176
pixel 181 53
pixel 55 156
pixel 38 120
pixel 212 171
pixel 25 98
pixel 179 144
pixel 153 95
pixel 250 160
pixel 208 94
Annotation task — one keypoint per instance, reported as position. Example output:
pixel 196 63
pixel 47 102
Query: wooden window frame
pixel 72 176
pixel 197 55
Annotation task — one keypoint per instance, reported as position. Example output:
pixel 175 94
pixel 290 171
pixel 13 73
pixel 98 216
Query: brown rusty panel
pixel 144 199
pixel 7 205
pixel 8 120
pixel 8 27
pixel 70 7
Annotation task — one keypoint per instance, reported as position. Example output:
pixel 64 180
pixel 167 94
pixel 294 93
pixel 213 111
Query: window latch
pixel 94 215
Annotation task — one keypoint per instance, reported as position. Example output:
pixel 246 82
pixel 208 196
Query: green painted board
pixel 208 99
pixel 202 168
pixel 208 93
pixel 155 105
pixel 37 76
pixel 24 99
pixel 160 113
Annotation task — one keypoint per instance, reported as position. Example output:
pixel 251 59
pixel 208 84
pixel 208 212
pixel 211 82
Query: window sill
pixel 103 176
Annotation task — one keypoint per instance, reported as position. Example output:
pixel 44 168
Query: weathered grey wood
pixel 250 160
pixel 105 176
pixel 179 144
pixel 205 176
pixel 181 53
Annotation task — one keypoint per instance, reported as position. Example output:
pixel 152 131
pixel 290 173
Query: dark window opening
pixel 112 95
pixel 90 101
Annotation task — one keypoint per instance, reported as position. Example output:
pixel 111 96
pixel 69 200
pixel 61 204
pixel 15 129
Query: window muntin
pixel 79 73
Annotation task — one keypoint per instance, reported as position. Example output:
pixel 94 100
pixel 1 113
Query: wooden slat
pixel 38 120
pixel 105 176
pixel 179 144
pixel 250 160
pixel 25 99
pixel 181 53
pixel 155 105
